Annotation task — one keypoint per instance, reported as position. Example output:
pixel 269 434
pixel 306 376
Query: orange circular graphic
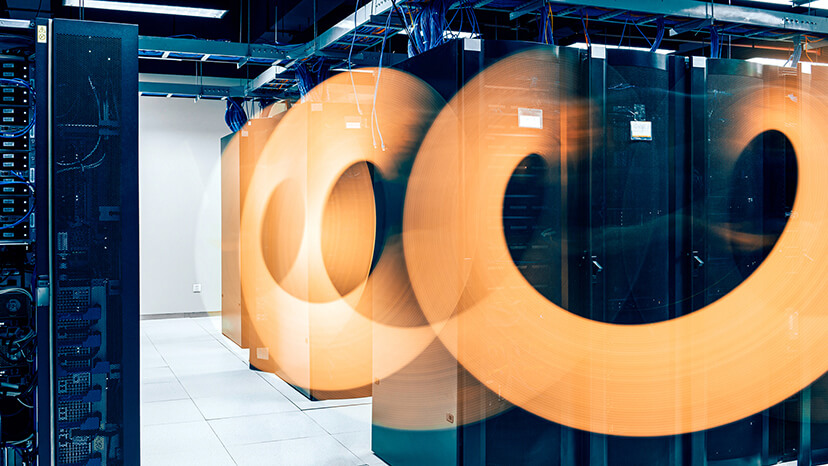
pixel 308 234
pixel 751 349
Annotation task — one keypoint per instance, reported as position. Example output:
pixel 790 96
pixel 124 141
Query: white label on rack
pixel 530 118
pixel 352 122
pixel 641 130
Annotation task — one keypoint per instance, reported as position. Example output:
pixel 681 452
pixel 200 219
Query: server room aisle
pixel 201 405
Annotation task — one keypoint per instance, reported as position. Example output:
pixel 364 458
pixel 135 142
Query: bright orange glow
pixel 311 220
pixel 755 347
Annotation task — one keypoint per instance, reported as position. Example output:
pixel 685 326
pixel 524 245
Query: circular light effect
pixel 752 349
pixel 308 224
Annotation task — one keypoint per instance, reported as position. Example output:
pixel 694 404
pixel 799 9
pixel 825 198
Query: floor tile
pixel 163 391
pixel 213 365
pixel 232 405
pixel 157 374
pixel 169 412
pixel 151 359
pixel 183 443
pixel 342 419
pixel 190 349
pixel 265 428
pixel 359 443
pixel 318 451
pixel 191 372
pixel 301 400
pixel 165 330
pixel 235 382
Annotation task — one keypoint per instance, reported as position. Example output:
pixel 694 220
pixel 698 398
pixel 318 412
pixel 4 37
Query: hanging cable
pixel 20 182
pixel 714 42
pixel 624 30
pixel 350 52
pixel 24 84
pixel 659 35
pixel 374 120
pixel 234 115
pixel 586 33
pixel 642 34
pixel 796 55
pixel 545 25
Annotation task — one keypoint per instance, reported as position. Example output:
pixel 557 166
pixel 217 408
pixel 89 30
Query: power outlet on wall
pixel 196 287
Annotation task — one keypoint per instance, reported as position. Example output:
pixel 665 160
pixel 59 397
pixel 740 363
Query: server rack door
pixel 714 271
pixel 91 262
pixel 743 186
pixel 634 168
pixel 231 318
pixel 815 408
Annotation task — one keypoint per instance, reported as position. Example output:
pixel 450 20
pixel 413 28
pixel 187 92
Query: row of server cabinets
pixel 69 375
pixel 650 220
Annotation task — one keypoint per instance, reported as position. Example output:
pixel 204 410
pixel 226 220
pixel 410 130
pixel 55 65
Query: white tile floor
pixel 201 405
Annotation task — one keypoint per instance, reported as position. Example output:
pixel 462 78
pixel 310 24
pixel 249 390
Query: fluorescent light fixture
pixel 147 8
pixel 15 23
pixel 449 34
pixel 768 61
pixel 780 62
pixel 460 35
pixel 354 70
pixel 583 46
pixel 818 4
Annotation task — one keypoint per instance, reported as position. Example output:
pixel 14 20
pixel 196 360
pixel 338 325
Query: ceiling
pixel 255 21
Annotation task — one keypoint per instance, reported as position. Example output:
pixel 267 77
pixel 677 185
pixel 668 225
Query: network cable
pixel 25 84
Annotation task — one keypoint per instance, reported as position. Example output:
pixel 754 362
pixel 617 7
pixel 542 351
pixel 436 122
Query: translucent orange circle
pixel 316 315
pixel 753 348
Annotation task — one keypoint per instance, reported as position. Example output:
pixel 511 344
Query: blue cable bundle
pixel 311 74
pixel 28 213
pixel 715 43
pixel 234 116
pixel 25 84
pixel 428 27
pixel 545 24
pixel 468 9
pixel 659 35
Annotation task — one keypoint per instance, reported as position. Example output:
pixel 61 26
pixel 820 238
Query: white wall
pixel 180 195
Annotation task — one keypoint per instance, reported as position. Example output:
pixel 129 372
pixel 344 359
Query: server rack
pixel 231 308
pixel 749 191
pixel 18 334
pixel 670 184
pixel 507 434
pixel 815 432
pixel 87 255
pixel 259 317
pixel 240 152
pixel 630 209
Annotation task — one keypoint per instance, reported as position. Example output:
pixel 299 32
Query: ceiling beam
pixel 694 9
pixel 211 47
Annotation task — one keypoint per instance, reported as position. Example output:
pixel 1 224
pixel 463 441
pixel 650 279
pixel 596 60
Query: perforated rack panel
pixel 90 266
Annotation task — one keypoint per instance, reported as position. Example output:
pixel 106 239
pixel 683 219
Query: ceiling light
pixel 147 8
pixel 818 4
pixel 583 46
pixel 780 62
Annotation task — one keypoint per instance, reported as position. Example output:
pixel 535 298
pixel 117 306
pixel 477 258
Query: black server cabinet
pixel 815 397
pixel 651 216
pixel 531 208
pixel 631 201
pixel 17 234
pixel 87 269
pixel 743 184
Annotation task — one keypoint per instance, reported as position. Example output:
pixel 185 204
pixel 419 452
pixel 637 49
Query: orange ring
pixel 311 287
pixel 755 347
